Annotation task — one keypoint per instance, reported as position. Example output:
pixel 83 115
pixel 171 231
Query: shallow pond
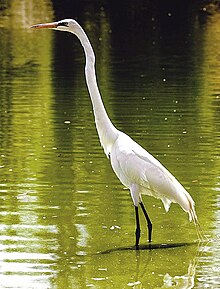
pixel 65 219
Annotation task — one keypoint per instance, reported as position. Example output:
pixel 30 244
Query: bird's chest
pixel 119 171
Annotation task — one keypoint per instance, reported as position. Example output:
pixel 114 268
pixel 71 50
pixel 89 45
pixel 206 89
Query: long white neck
pixel 106 130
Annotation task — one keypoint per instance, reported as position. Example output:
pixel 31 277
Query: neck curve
pixel 106 130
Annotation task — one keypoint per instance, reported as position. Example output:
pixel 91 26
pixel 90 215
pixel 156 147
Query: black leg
pixel 138 230
pixel 149 224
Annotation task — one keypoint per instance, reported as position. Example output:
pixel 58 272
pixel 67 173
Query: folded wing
pixel 135 166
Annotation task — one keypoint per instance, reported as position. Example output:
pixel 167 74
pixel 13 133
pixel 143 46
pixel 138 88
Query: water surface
pixel 65 219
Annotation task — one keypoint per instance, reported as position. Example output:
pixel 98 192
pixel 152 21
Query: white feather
pixel 135 166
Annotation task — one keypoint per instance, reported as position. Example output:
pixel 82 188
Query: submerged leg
pixel 138 230
pixel 149 224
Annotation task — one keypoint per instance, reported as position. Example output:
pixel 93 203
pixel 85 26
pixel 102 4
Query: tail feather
pixel 193 217
pixel 190 208
pixel 192 214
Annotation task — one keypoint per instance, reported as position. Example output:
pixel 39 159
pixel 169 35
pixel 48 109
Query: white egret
pixel 137 169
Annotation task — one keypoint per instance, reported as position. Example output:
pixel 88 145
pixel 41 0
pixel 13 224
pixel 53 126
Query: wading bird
pixel 137 169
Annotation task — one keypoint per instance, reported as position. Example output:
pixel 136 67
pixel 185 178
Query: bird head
pixel 62 25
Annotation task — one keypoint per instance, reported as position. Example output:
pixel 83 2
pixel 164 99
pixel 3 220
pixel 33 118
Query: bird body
pixel 137 169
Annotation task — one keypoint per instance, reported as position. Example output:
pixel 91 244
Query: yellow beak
pixel 45 25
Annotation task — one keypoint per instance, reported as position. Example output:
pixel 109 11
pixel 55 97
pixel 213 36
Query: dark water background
pixel 65 219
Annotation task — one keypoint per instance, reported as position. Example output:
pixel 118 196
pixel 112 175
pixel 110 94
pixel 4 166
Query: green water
pixel 65 219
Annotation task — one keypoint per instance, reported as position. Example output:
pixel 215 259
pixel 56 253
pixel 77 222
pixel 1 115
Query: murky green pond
pixel 65 219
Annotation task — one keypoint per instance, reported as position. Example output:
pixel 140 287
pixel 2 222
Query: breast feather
pixel 139 167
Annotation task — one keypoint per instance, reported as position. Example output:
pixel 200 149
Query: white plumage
pixel 143 174
pixel 134 166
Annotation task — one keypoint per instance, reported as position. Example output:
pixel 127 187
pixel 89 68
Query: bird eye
pixel 65 24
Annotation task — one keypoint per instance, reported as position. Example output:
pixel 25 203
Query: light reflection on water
pixel 61 205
